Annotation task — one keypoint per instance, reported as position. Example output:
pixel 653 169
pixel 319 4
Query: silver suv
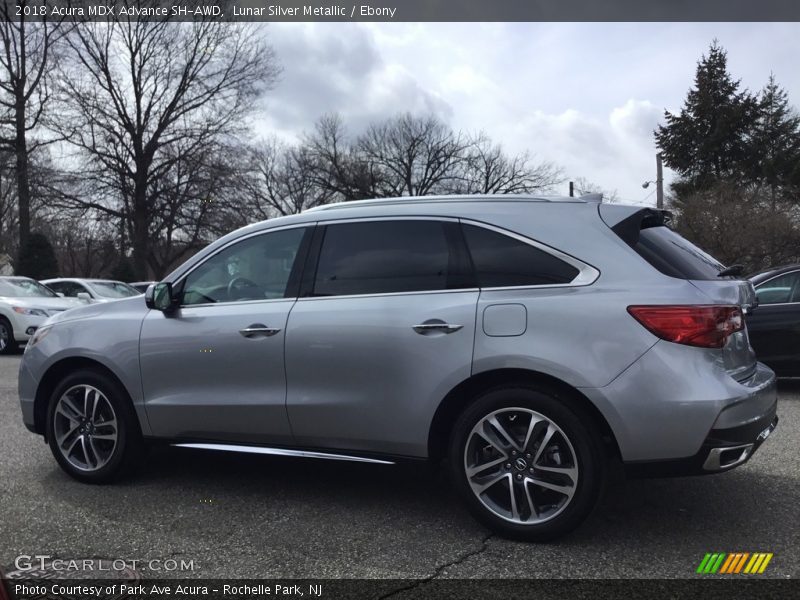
pixel 529 341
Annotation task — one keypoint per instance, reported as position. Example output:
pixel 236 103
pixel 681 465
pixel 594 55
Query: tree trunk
pixel 140 228
pixel 23 184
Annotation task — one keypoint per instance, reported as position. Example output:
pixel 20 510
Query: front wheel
pixel 7 343
pixel 91 427
pixel 529 466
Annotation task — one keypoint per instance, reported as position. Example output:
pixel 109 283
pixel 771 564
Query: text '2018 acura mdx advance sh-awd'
pixel 529 341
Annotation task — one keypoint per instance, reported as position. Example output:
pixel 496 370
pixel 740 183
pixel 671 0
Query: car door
pixel 214 368
pixel 774 326
pixel 382 332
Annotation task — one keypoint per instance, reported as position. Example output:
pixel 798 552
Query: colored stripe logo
pixel 734 563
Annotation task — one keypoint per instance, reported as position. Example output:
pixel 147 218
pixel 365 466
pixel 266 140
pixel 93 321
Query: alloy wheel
pixel 5 336
pixel 85 427
pixel 521 465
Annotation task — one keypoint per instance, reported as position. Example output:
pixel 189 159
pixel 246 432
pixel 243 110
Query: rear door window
pixel 503 261
pixel 380 257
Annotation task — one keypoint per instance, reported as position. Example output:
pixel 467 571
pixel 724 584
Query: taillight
pixel 702 325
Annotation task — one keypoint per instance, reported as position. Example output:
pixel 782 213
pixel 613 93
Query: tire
pixel 554 488
pixel 104 447
pixel 7 342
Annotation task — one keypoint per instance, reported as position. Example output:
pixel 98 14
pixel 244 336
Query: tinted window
pixel 780 290
pixel 674 255
pixel 503 261
pixel 379 257
pixel 257 268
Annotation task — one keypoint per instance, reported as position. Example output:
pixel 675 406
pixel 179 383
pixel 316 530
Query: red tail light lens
pixel 703 326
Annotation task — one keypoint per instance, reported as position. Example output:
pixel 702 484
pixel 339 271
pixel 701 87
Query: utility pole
pixel 571 189
pixel 659 182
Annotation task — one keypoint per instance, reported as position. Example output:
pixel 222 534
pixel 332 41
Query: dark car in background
pixel 775 326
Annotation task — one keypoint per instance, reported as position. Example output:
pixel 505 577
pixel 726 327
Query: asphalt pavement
pixel 229 515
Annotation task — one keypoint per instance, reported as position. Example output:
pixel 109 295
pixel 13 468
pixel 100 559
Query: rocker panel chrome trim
pixel 283 452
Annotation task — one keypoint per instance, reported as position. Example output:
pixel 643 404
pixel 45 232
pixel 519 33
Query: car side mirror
pixel 83 296
pixel 159 296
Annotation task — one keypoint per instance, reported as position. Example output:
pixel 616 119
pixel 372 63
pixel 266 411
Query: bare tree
pixel 280 179
pixel 26 63
pixel 413 156
pixel 715 219
pixel 487 169
pixel 142 98
pixel 8 203
pixel 337 165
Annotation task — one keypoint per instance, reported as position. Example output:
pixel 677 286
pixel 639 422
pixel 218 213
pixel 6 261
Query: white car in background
pixel 24 305
pixel 91 290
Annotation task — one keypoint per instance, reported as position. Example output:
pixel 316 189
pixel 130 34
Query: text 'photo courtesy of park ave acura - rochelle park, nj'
pixel 411 300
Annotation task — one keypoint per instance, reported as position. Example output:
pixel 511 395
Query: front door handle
pixel 436 326
pixel 258 330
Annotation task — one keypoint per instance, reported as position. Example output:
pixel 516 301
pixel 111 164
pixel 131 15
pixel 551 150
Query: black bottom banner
pixel 379 589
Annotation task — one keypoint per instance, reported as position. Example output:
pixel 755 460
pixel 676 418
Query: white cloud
pixel 586 96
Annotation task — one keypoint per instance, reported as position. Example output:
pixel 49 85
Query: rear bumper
pixel 669 403
pixel 722 450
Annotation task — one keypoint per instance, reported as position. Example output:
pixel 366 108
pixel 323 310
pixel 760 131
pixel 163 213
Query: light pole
pixel 659 182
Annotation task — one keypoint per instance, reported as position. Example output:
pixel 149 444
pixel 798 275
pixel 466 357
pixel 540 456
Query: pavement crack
pixel 441 569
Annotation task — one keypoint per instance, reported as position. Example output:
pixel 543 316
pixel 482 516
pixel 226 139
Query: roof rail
pixel 593 197
pixel 450 198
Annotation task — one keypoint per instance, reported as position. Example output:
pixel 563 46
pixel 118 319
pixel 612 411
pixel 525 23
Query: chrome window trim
pixel 587 274
pixel 382 294
pixel 183 276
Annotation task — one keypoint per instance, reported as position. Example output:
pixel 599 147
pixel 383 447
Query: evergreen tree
pixel 775 143
pixel 37 258
pixel 709 140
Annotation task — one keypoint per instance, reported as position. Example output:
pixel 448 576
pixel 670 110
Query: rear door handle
pixel 431 327
pixel 258 330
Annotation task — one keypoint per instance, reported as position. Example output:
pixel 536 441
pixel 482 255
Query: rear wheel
pixel 7 342
pixel 92 429
pixel 528 466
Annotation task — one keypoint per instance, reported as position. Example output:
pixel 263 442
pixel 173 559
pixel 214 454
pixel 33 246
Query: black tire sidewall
pixel 128 432
pixel 586 442
pixel 12 344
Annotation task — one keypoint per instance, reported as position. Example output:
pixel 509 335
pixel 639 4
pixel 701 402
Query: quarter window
pixel 379 257
pixel 257 268
pixel 503 261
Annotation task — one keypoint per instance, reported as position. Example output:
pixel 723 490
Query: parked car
pixel 775 326
pixel 24 305
pixel 91 290
pixel 528 341
pixel 142 286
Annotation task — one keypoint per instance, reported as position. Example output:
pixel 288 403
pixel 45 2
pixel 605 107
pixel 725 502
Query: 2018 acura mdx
pixel 529 341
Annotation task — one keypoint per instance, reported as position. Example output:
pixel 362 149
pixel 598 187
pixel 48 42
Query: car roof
pixel 772 272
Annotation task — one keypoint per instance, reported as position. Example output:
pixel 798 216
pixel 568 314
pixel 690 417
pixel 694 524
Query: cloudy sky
pixel 585 96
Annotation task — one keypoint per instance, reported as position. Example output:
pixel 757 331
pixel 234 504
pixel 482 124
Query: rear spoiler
pixel 628 221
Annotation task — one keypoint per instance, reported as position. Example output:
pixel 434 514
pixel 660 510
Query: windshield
pixel 113 289
pixel 21 287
